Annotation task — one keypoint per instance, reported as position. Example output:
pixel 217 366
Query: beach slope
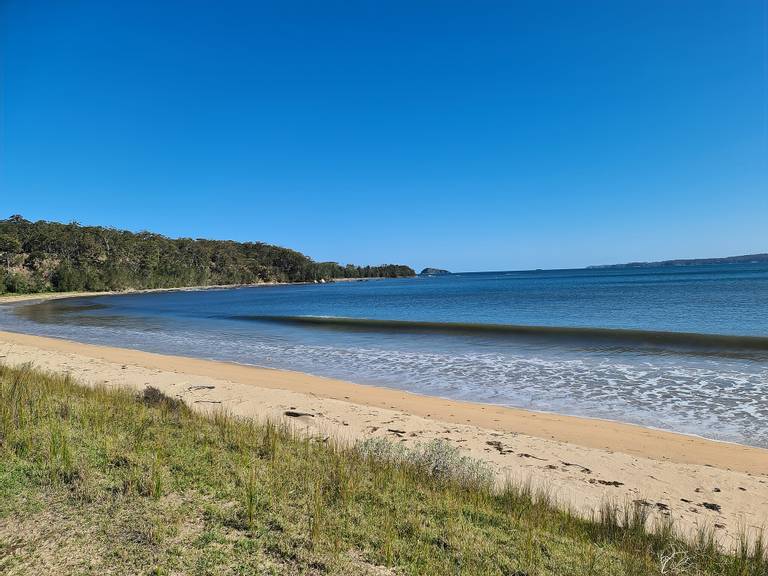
pixel 582 462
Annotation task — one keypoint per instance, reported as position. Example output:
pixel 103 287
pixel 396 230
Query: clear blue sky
pixel 466 135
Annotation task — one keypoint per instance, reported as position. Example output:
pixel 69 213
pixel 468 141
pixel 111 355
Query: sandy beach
pixel 42 296
pixel 581 462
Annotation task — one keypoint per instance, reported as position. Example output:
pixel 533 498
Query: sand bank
pixel 582 462
pixel 38 296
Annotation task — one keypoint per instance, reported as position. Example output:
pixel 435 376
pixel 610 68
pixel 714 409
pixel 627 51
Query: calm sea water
pixel 683 349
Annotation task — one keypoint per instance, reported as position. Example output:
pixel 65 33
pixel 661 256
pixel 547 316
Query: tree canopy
pixel 51 256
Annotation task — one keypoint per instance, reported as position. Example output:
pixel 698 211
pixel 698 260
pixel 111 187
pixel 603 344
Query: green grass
pixel 97 481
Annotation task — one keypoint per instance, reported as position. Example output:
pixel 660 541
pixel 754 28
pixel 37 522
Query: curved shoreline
pixel 574 429
pixel 43 296
pixel 582 463
pixel 586 432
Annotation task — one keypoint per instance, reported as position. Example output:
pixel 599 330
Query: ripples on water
pixel 713 387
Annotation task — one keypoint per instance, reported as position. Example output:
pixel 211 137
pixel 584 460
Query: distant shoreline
pixel 744 259
pixel 10 298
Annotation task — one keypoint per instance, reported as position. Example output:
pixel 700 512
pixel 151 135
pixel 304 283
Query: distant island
pixel 51 256
pixel 745 259
pixel 434 272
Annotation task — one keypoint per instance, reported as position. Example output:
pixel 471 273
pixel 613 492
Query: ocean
pixel 677 348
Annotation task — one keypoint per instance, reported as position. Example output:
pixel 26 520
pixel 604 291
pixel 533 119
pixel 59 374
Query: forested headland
pixel 50 256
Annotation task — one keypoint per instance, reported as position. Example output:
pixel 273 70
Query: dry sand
pixel 581 462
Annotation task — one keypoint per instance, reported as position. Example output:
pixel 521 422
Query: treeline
pixel 50 256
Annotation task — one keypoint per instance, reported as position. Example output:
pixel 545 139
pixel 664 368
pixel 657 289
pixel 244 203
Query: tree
pixel 9 247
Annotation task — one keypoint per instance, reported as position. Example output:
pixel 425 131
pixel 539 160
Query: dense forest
pixel 50 256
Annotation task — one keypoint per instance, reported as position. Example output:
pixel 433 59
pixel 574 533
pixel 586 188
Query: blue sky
pixel 466 135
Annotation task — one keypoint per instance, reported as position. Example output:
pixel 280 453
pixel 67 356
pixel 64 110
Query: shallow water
pixel 632 345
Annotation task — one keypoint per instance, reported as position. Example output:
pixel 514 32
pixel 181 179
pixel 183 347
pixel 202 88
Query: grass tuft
pixel 154 397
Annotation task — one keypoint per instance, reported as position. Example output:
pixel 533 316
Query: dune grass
pixel 96 481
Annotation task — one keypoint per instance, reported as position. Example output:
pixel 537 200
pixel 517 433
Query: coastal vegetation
pixel 50 256
pixel 96 480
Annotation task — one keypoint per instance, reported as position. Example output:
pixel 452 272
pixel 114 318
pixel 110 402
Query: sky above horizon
pixel 467 136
